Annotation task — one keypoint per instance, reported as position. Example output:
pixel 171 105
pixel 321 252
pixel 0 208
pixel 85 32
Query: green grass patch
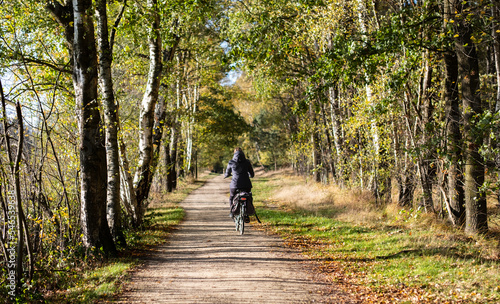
pixel 98 283
pixel 157 222
pixel 390 256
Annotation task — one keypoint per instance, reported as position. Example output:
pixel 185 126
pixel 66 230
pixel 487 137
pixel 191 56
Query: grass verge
pixel 391 256
pixel 100 281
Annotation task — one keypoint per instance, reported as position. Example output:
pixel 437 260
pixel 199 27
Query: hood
pixel 239 156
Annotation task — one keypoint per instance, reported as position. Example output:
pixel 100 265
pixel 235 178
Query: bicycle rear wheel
pixel 237 217
pixel 241 219
pixel 236 220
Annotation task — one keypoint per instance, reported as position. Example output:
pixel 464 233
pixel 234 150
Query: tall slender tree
pixel 144 173
pixel 455 197
pixel 105 50
pixel 474 171
pixel 76 17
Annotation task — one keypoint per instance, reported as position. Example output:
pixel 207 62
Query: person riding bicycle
pixel 241 170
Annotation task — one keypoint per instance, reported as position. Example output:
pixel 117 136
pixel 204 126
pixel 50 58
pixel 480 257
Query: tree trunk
pixel 454 138
pixel 426 170
pixel 110 123
pixel 92 145
pixel 475 199
pixel 495 13
pixel 171 160
pixel 144 174
pixel 127 192
pixel 454 141
pixel 190 129
pixel 167 162
pixel 333 97
pixel 377 189
pixel 316 153
pixel 181 155
pixel 160 114
pixel 406 179
pixel 329 159
pixel 20 212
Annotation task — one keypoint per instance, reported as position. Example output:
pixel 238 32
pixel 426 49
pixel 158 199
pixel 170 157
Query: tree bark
pixel 171 157
pixel 495 13
pixel 426 171
pixel 171 160
pixel 160 114
pixel 328 154
pixel 20 212
pixel 316 153
pixel 377 189
pixel 333 96
pixel 454 141
pixel 95 227
pixel 475 199
pixel 454 137
pixel 127 192
pixel 181 154
pixel 192 102
pixel 144 173
pixel 406 179
pixel 64 16
pixel 110 123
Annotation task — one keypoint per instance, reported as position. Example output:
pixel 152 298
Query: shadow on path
pixel 206 261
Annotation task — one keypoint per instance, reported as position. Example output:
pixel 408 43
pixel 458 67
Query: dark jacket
pixel 241 169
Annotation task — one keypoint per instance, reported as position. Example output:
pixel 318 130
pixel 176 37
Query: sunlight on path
pixel 207 261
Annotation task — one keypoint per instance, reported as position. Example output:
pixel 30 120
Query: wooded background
pixel 105 102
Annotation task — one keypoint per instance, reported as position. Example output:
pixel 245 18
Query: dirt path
pixel 207 261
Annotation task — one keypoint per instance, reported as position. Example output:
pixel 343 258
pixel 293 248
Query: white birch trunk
pixel 144 174
pixel 369 98
pixel 334 113
pixel 110 121
pixel 495 7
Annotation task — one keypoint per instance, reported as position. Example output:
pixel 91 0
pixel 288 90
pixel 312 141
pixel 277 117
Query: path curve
pixel 206 261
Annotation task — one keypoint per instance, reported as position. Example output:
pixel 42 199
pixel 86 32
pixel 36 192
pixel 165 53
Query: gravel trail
pixel 206 261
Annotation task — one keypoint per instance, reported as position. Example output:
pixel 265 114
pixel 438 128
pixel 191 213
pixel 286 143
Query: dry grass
pixel 358 207
pixel 397 253
pixel 346 205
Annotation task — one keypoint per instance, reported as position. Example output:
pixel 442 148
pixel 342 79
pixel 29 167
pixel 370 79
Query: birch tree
pixel 105 46
pixel 93 176
pixel 455 195
pixel 144 174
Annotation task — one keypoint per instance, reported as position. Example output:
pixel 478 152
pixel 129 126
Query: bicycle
pixel 239 210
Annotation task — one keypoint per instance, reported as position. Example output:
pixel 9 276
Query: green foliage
pixel 268 134
pixel 219 126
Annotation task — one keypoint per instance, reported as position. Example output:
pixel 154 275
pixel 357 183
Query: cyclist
pixel 241 170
